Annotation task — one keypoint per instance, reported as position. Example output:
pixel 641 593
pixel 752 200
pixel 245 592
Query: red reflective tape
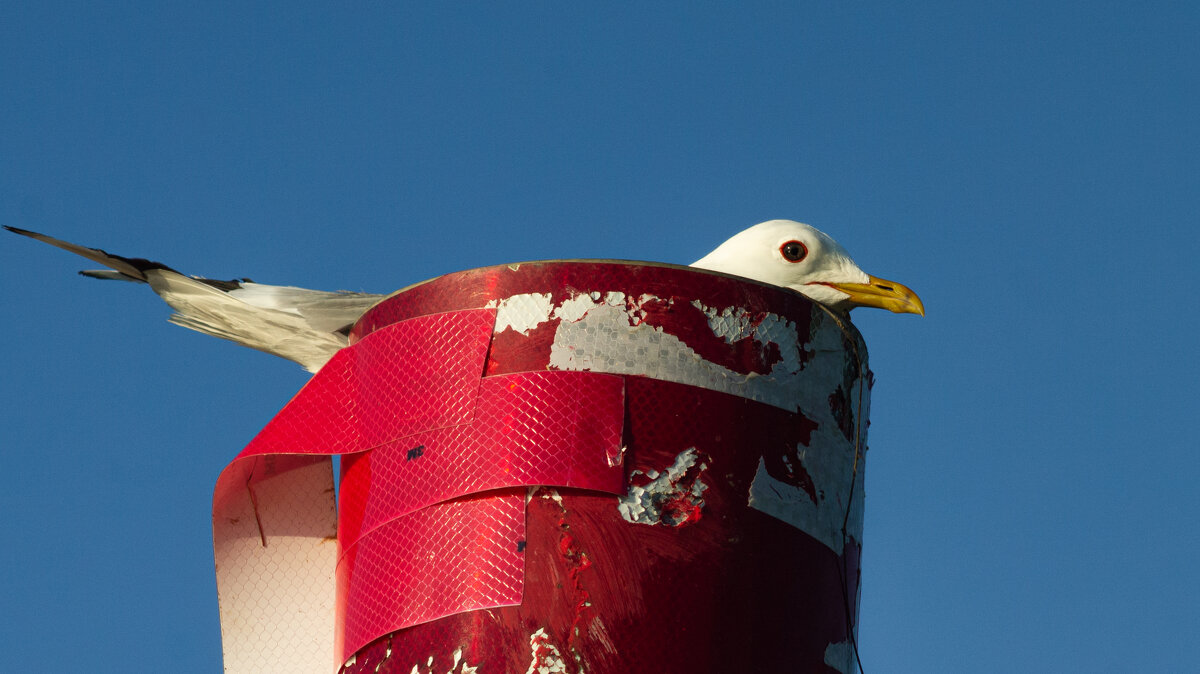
pixel 421 431
pixel 274 518
pixel 455 556
pixel 406 377
pixel 559 429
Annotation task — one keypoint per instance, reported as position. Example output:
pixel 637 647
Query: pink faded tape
pixel 423 430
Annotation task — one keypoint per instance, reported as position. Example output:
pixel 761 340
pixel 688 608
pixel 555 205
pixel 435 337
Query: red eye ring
pixel 793 251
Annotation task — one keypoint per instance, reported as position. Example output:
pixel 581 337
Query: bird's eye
pixel 793 251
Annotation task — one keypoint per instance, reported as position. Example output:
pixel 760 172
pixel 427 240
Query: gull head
pixel 801 257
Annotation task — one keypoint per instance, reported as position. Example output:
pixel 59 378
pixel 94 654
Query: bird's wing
pixel 305 326
pixel 130 268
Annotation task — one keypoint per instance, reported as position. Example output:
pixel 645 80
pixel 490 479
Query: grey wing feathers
pixel 305 326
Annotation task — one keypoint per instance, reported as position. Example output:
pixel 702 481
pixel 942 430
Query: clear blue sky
pixel 1031 169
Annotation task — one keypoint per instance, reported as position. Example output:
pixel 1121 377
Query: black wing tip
pixel 134 267
pixel 223 286
pixel 122 268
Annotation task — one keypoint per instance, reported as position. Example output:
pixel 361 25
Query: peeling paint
pixel 672 497
pixel 544 656
pixel 466 668
pixel 840 656
pixel 734 324
pixel 615 337
pixel 459 666
pixel 521 313
pixel 575 308
pixel 614 333
pixel 816 504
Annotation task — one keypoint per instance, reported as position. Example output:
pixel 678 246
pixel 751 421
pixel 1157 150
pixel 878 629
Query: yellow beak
pixel 882 294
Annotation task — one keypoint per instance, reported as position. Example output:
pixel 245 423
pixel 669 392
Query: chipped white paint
pixel 545 657
pixel 830 468
pixel 466 668
pixel 521 313
pixel 643 505
pixel 607 333
pixel 732 324
pixel 840 656
pixel 454 667
pixel 575 308
pixel 611 337
pixel 735 323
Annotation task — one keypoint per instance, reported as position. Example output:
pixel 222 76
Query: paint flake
pixel 459 666
pixel 673 497
pixel 575 308
pixel 522 313
pixel 840 656
pixel 545 657
pixel 732 324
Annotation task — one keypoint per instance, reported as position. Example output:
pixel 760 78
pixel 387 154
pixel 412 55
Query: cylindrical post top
pixel 580 466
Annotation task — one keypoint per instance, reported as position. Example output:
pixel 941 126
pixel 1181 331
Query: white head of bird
pixel 801 257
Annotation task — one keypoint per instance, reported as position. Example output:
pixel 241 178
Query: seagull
pixel 805 259
pixel 309 326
